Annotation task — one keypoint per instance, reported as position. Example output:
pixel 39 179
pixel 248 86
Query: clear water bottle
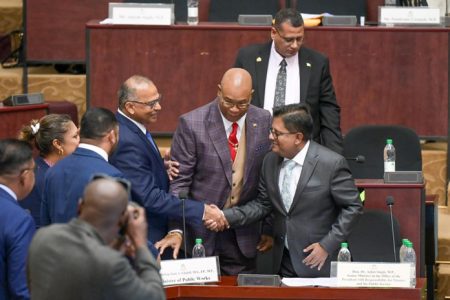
pixel 389 156
pixel 344 254
pixel 199 249
pixel 192 6
pixel 402 251
pixel 390 2
pixel 410 257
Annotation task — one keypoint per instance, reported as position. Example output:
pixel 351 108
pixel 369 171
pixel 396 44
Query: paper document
pixel 319 281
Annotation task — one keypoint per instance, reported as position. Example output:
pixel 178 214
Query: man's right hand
pixel 214 219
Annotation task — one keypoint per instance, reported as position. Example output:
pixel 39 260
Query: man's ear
pixel 80 206
pixel 129 108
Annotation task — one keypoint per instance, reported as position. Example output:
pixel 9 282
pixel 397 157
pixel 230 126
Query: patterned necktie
pixel 285 190
pixel 149 137
pixel 280 88
pixel 233 141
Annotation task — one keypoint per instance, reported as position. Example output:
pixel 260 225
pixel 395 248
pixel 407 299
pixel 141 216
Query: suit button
pixel 233 171
pixel 234 184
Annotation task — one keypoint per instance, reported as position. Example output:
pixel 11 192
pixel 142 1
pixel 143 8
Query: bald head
pixel 104 202
pixel 238 81
pixel 235 92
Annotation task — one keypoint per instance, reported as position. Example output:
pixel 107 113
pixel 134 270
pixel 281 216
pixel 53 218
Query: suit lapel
pixel 305 73
pixel 218 138
pixel 252 133
pixel 141 136
pixel 262 64
pixel 309 165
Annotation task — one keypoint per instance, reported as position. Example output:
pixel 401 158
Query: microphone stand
pixel 183 196
pixel 390 202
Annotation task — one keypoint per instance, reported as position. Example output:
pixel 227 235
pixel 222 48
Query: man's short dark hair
pixel 296 118
pixel 14 156
pixel 97 123
pixel 289 15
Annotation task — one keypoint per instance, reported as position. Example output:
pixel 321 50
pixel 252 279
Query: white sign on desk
pixel 390 16
pixel 358 274
pixel 190 270
pixel 141 13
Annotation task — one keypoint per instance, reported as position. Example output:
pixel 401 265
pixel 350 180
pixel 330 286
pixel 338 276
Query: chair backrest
pixel 229 10
pixel 371 238
pixel 370 140
pixel 335 7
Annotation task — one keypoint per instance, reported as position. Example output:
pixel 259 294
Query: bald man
pixel 220 148
pixel 76 260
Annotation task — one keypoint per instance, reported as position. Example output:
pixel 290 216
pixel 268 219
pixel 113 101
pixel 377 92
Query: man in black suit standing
pixel 285 72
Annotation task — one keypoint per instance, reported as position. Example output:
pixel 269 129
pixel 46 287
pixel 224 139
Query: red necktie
pixel 233 142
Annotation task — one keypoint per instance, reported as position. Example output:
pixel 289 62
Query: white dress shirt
pixel 292 79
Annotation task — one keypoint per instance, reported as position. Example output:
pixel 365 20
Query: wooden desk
pixel 408 209
pixel 14 117
pixel 381 75
pixel 227 289
pixel 57 34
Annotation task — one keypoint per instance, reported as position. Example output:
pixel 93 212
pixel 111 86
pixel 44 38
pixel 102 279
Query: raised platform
pixel 46 80
pixel 10 15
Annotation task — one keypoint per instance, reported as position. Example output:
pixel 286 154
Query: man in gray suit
pixel 220 147
pixel 76 260
pixel 311 193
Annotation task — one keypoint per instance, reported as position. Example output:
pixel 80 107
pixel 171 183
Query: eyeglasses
pixel 230 104
pixel 125 183
pixel 151 104
pixel 287 40
pixel 277 134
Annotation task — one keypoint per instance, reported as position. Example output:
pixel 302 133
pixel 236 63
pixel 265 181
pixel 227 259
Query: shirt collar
pixel 278 58
pixel 9 191
pixel 301 156
pixel 228 124
pixel 139 125
pixel 96 149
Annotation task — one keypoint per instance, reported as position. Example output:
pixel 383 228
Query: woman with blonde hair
pixel 54 136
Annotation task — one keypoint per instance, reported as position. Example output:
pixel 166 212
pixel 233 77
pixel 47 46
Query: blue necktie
pixel 149 137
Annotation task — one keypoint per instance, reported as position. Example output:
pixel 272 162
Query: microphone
pixel 390 202
pixel 183 196
pixel 359 159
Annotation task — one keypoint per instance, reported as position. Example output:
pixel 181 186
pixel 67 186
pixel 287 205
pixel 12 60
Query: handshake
pixel 214 219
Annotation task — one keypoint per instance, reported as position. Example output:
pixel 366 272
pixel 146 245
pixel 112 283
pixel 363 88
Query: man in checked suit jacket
pixel 138 157
pixel 207 171
pixel 308 76
pixel 311 193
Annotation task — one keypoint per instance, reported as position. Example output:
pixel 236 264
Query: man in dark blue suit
pixel 17 226
pixel 138 157
pixel 65 182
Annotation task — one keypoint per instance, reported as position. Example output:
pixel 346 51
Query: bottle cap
pixel 404 241
pixel 389 141
pixel 198 241
pixel 344 245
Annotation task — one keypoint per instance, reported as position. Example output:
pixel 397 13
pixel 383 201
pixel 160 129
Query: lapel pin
pixel 258 59
pixel 254 125
pixel 308 65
